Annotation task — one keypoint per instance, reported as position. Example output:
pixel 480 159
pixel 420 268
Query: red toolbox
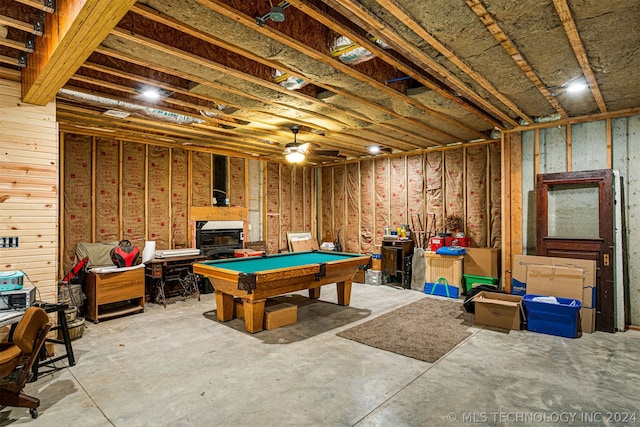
pixel 435 243
pixel 465 242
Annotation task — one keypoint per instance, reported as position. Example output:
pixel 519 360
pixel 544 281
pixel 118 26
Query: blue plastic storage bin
pixel 554 319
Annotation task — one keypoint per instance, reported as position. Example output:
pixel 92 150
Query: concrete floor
pixel 175 366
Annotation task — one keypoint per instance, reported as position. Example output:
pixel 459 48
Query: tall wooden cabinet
pixel 396 261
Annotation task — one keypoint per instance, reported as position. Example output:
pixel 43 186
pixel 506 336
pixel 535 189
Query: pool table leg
pixel 224 306
pixel 253 315
pixel 314 293
pixel 344 292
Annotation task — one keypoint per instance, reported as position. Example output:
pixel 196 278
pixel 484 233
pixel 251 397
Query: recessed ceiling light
pixel 151 93
pixel 576 87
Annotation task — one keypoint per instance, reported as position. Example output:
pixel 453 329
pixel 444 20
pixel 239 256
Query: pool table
pixel 254 279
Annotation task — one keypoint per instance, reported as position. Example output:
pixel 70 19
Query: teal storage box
pixel 559 319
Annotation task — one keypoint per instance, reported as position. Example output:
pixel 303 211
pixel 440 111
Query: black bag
pixel 125 254
pixel 470 305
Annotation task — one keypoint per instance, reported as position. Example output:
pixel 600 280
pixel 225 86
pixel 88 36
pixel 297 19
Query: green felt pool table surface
pixel 254 279
pixel 257 264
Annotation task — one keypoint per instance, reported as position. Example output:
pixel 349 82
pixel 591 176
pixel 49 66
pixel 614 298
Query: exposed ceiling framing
pixel 437 73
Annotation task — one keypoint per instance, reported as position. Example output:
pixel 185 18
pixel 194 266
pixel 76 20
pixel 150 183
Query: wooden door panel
pixel 591 248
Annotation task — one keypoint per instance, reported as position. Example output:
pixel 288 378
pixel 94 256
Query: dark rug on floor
pixel 314 317
pixel 425 330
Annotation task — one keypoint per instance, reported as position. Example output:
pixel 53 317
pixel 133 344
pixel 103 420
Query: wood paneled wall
pixel 29 189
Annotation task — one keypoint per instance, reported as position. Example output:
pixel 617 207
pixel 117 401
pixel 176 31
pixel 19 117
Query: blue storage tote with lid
pixel 555 318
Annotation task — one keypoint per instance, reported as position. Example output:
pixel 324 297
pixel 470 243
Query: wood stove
pixel 218 239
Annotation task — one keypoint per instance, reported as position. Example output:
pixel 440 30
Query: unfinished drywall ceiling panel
pixel 159 226
pixel 339 200
pixel 179 199
pixel 415 190
pixel 351 231
pixel 553 150
pixel 382 200
pixel 626 154
pixel 454 182
pixel 134 215
pixel 589 146
pixel 237 181
pixel 107 190
pixel 367 211
pixel 286 205
pixel 434 192
pixel 495 195
pixel 528 193
pixel 201 189
pixel 326 204
pixel 398 193
pixel 476 188
pixel 77 195
pixel 272 202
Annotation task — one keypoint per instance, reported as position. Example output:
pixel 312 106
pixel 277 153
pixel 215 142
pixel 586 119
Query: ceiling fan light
pixel 295 157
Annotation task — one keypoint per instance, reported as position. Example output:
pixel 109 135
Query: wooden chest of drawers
pixel 125 288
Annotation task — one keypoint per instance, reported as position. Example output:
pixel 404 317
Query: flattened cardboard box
pixel 521 262
pixel 499 310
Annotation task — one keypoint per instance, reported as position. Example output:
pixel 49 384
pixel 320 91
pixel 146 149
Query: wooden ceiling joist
pixel 73 31
pixel 281 118
pixel 408 20
pixel 15 45
pixel 578 48
pixel 19 25
pixel 292 43
pixel 43 5
pixel 165 20
pixel 9 60
pixel 485 17
pixel 379 29
pixel 331 23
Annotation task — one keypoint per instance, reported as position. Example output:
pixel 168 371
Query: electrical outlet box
pixel 8 242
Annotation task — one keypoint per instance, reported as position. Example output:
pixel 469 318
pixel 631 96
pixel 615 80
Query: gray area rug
pixel 425 330
pixel 314 317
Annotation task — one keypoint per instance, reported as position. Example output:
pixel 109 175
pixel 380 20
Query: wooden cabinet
pixel 114 294
pixel 396 261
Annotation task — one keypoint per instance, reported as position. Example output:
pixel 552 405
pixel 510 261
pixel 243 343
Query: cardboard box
pixel 561 282
pixel 482 262
pixel 278 315
pixel 587 320
pixel 376 263
pixel 499 310
pixel 238 308
pixel 359 276
pixel 564 282
pixel 522 262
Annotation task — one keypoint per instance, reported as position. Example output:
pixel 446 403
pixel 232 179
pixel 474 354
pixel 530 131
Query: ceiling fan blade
pixel 331 153
pixel 304 146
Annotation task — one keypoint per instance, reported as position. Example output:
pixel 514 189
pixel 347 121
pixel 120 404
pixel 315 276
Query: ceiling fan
pixel 296 153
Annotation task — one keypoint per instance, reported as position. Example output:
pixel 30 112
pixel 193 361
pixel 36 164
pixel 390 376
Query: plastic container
pixel 470 280
pixel 559 319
